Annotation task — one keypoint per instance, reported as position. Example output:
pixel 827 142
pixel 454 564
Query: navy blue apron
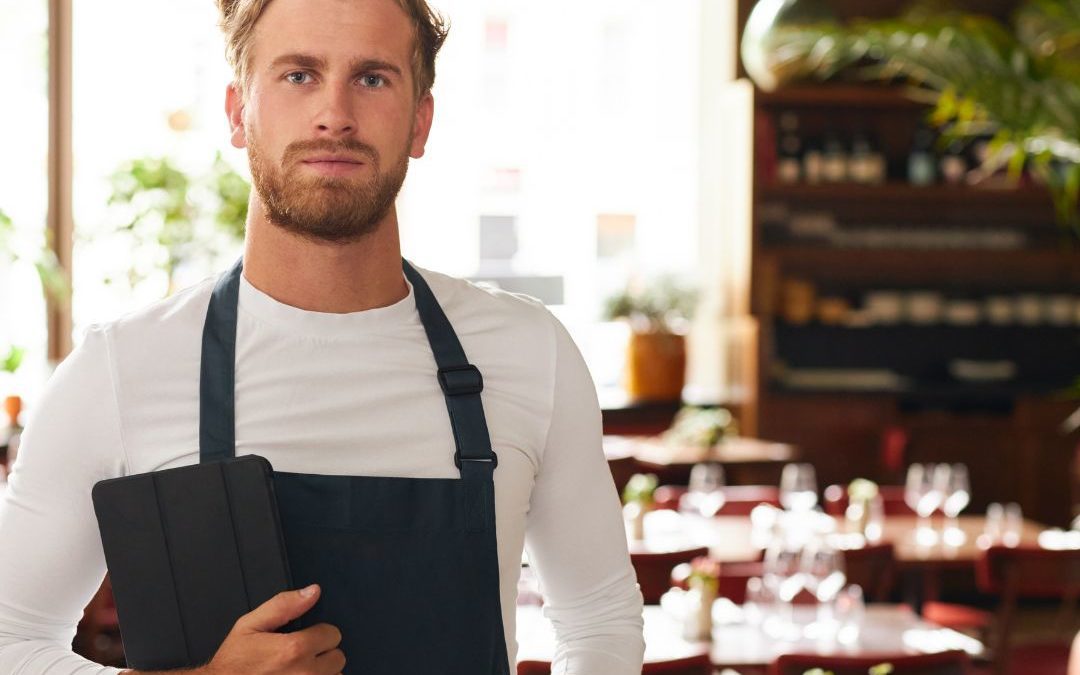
pixel 409 567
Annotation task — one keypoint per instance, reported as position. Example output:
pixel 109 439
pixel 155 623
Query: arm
pixel 51 562
pixel 575 535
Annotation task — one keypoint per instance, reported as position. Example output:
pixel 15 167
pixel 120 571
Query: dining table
pixel 739 643
pixel 737 539
pixel 746 460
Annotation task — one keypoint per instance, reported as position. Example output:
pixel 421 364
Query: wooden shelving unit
pixel 1007 432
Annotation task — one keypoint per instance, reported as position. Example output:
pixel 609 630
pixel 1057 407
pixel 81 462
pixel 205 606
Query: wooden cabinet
pixel 953 384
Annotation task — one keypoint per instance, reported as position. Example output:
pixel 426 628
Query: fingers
pixel 279 610
pixel 330 663
pixel 318 638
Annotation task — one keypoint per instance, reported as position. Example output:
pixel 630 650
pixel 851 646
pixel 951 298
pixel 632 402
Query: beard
pixel 337 209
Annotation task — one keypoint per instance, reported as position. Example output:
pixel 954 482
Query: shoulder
pixel 477 308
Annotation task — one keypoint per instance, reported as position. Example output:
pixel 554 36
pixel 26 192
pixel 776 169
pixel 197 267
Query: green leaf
pixel 13 360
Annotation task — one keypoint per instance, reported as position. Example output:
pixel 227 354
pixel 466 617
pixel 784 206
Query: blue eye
pixel 373 81
pixel 295 73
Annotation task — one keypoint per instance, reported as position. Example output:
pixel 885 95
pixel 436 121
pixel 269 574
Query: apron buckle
pixel 494 459
pixel 461 380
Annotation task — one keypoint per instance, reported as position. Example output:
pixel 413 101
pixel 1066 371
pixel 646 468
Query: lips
pixel 333 158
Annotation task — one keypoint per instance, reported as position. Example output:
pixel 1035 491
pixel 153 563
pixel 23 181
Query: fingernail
pixel 308 591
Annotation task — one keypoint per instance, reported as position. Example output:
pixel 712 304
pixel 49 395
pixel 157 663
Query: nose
pixel 336 116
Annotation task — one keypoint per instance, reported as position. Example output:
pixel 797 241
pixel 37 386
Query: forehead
pixel 340 31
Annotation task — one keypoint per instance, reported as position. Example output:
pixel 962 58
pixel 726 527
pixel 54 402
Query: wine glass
pixel 705 493
pixel 798 487
pixel 783 578
pixel 957 497
pixel 823 575
pixel 922 497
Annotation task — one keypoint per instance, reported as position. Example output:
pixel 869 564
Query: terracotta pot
pixel 656 366
pixel 13 406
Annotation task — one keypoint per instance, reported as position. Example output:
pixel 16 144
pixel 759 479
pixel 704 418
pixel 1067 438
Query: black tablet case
pixel 189 551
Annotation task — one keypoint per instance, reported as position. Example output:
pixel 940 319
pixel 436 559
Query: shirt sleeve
pixel 575 536
pixel 51 562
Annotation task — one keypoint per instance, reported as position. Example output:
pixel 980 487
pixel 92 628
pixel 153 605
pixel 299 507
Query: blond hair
pixel 238 19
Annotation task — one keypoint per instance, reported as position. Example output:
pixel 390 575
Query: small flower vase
pixel 634 515
pixel 697 620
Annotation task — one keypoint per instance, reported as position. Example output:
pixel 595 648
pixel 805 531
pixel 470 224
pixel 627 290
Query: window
pixel 564 153
pixel 24 189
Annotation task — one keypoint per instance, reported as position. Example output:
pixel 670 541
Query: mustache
pixel 296 151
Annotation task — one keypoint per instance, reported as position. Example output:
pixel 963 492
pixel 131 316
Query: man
pixel 408 522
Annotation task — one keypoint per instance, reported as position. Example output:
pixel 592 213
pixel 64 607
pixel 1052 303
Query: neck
pixel 324 276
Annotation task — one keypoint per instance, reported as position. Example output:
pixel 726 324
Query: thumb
pixel 279 610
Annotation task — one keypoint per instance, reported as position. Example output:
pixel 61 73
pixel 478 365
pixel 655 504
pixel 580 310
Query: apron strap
pixel 461 382
pixel 217 377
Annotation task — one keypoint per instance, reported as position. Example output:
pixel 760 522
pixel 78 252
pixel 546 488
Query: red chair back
pixel 694 665
pixel 892 498
pixel 654 570
pixel 622 469
pixel 732 582
pixel 873 567
pixel 944 663
pixel 1028 572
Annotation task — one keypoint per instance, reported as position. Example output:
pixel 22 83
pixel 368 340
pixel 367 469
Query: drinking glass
pixel 798 487
pixel 705 493
pixel 783 577
pixel 1013 525
pixel 921 494
pixel 823 576
pixel 957 497
pixel 995 521
pixel 850 610
pixel 760 604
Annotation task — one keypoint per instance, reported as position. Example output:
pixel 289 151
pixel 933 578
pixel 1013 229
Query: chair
pixel 97 637
pixel 732 582
pixel 1027 572
pixel 892 498
pixel 694 665
pixel 739 500
pixel 622 468
pixel 944 663
pixel 873 567
pixel 654 570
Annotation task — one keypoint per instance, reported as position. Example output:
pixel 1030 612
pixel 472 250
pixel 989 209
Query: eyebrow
pixel 318 63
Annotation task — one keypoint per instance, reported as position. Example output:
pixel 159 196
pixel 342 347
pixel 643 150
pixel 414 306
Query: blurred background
pixel 835 233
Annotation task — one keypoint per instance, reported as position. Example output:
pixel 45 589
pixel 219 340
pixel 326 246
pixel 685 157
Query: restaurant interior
pixel 832 309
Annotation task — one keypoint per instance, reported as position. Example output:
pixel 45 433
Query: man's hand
pixel 253 648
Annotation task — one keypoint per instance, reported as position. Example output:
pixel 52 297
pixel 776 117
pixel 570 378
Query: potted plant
pixel 658 315
pixel 638 498
pixel 703 584
pixel 705 428
pixel 1018 84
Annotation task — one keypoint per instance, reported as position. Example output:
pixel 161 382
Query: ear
pixel 425 111
pixel 234 110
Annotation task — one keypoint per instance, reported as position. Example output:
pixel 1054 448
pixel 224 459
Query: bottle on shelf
pixel 834 166
pixel 866 163
pixel 954 164
pixel 922 167
pixel 789 168
pixel 813 163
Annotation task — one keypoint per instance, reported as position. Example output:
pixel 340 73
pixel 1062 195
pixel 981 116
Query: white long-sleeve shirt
pixel 346 394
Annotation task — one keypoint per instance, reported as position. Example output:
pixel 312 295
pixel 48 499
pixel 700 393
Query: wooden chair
pixel 622 468
pixel 944 663
pixel 97 637
pixel 892 498
pixel 1027 572
pixel 732 582
pixel 694 665
pixel 654 570
pixel 873 567
pixel 739 500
